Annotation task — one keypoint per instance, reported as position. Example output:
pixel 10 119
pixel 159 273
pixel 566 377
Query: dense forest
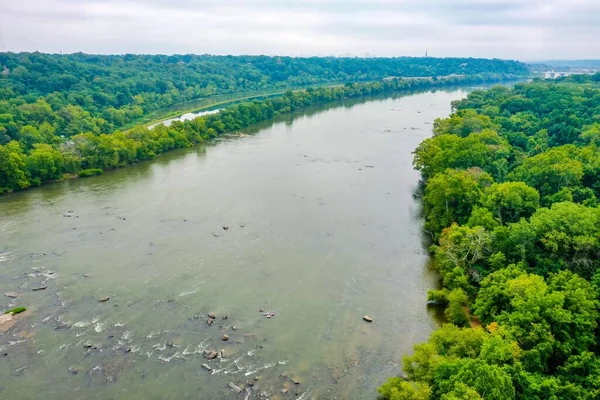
pixel 46 134
pixel 80 93
pixel 512 188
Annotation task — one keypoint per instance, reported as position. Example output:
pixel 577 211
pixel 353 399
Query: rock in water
pixel 87 345
pixel 225 228
pixel 367 318
pixel 225 338
pixel 102 300
pixel 234 387
pixel 43 287
pixel 62 325
pixel 211 355
pixel 12 295
pixel 210 321
pixel 212 315
pixel 4 318
pixel 295 381
pixel 206 367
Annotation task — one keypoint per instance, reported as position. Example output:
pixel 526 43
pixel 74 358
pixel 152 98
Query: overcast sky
pixel 516 29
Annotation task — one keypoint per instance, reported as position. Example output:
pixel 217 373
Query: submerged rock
pixel 12 295
pixel 234 387
pixel 367 318
pixel 62 325
pixel 225 228
pixel 210 354
pixel 6 318
pixel 206 367
pixel 42 287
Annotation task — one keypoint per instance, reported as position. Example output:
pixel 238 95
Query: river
pixel 322 228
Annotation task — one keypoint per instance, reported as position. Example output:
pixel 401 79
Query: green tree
pixel 44 163
pixel 450 197
pixel 488 381
pixel 399 389
pixel 550 171
pixel 511 201
pixel 13 171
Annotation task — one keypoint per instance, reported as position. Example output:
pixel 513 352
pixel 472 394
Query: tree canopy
pixel 512 182
pixel 65 114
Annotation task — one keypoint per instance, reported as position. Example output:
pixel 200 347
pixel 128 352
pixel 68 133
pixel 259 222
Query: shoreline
pixel 413 84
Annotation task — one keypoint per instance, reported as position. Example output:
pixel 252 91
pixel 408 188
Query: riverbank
pixel 211 103
pixel 509 205
pixel 108 151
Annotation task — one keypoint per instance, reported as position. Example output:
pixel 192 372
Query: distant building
pixel 553 74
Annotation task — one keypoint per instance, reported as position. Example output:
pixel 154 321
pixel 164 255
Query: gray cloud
pixel 523 29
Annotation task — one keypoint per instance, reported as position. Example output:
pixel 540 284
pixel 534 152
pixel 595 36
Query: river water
pixel 323 228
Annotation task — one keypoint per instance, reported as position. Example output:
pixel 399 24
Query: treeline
pixel 66 95
pixel 512 187
pixel 40 155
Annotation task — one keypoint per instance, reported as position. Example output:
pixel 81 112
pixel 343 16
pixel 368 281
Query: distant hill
pixel 76 93
pixel 569 63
